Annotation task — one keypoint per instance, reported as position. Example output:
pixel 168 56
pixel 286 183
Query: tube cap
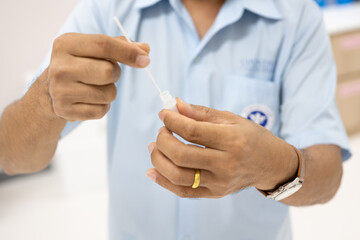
pixel 168 101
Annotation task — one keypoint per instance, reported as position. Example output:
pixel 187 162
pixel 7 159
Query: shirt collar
pixel 264 8
pixel 140 4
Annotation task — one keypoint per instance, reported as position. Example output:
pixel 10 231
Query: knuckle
pixel 95 113
pixel 161 135
pixel 102 95
pixel 109 70
pixel 191 132
pixel 68 35
pixel 180 157
pixel 206 110
pixel 61 111
pixel 238 142
pixel 56 71
pixel 56 92
pixel 103 42
pixel 62 104
pixel 113 92
pixel 61 41
pixel 161 139
pixel 177 178
pixel 103 111
pixel 91 115
pixel 59 71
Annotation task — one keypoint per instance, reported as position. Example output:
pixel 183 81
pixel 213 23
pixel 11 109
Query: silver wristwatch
pixel 289 188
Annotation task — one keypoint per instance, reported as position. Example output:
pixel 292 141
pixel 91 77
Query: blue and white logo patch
pixel 259 114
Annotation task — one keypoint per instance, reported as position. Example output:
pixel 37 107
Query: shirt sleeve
pixel 85 18
pixel 309 114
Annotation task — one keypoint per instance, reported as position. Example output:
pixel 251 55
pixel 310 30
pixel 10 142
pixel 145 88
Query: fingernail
pixel 180 101
pixel 142 60
pixel 161 116
pixel 151 148
pixel 151 176
pixel 139 43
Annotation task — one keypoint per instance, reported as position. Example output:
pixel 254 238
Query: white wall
pixel 27 29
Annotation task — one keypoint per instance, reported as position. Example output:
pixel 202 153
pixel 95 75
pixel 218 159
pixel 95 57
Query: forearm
pixel 323 173
pixel 29 131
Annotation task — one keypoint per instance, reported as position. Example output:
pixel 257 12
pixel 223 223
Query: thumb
pixel 143 46
pixel 205 114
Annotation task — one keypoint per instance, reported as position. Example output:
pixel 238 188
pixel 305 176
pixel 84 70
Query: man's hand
pixel 83 71
pixel 78 85
pixel 237 153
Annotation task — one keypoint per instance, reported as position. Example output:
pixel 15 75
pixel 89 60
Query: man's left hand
pixel 235 153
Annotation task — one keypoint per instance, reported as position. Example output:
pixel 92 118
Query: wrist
pixel 38 99
pixel 285 168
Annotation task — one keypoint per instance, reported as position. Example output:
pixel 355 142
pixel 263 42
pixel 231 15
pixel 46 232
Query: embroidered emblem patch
pixel 259 114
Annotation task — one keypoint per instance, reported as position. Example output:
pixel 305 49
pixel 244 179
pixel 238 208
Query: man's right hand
pixel 83 72
pixel 78 85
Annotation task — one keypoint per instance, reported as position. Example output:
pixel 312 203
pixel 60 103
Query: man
pixel 268 61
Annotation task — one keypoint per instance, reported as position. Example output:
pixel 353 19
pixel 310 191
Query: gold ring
pixel 197 179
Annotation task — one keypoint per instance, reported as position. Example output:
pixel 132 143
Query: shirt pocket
pixel 255 99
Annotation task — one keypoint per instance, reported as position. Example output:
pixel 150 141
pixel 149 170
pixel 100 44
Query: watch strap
pixel 300 174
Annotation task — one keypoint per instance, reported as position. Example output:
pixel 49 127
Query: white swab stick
pixel 128 39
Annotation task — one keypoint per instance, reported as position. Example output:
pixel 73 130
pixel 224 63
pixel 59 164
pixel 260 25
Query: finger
pixel 92 94
pixel 82 112
pixel 181 191
pixel 204 133
pixel 103 47
pixel 184 155
pixel 143 46
pixel 176 175
pixel 205 114
pixel 96 71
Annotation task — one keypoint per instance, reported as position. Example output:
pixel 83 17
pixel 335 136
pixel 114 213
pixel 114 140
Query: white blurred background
pixel 69 201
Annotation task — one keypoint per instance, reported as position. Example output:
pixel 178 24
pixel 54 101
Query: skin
pixel 237 153
pixel 79 85
pixel 203 13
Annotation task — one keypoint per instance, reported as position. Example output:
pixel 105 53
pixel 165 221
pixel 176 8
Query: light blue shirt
pixel 267 60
